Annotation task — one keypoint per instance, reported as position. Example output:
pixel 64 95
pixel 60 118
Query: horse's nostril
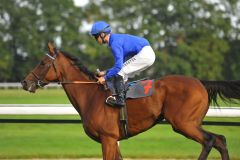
pixel 24 83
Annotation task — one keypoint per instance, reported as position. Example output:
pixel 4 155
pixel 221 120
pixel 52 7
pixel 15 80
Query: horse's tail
pixel 226 90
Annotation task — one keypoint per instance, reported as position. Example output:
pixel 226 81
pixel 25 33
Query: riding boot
pixel 119 99
pixel 111 86
pixel 120 88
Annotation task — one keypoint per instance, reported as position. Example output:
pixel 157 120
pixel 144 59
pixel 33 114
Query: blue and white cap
pixel 100 26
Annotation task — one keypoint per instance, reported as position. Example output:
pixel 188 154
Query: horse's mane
pixel 79 64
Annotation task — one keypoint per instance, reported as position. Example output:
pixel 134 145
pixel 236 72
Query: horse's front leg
pixel 110 148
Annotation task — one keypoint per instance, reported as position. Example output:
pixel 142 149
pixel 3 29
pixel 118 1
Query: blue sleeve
pixel 117 52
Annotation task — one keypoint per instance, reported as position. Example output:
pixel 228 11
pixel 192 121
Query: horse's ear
pixel 51 49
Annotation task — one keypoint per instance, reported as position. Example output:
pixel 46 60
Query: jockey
pixel 122 46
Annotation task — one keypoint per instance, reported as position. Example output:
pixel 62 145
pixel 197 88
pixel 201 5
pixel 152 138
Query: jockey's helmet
pixel 100 26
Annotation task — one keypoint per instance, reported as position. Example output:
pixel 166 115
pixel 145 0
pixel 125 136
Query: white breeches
pixel 144 59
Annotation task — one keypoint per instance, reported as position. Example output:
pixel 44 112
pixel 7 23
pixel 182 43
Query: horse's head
pixel 43 73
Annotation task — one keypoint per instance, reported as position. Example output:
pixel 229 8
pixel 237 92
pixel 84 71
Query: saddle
pixel 139 89
pixel 135 89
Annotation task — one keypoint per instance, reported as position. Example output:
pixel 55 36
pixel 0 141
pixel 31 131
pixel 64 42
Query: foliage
pixel 195 38
pixel 26 28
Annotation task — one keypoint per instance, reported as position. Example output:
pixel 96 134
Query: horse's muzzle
pixel 24 84
pixel 29 86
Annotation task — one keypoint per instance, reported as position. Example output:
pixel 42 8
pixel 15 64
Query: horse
pixel 182 101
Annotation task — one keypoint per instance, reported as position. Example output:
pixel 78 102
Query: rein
pixel 77 82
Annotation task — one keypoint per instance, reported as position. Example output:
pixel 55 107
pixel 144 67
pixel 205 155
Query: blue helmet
pixel 100 26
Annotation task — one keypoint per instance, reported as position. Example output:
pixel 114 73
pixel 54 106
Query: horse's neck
pixel 78 94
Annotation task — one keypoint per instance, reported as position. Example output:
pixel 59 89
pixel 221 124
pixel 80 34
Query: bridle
pixel 41 83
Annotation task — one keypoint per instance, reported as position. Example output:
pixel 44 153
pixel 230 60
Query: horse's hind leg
pixel 221 145
pixel 187 121
pixel 207 139
pixel 192 130
pixel 196 133
pixel 208 143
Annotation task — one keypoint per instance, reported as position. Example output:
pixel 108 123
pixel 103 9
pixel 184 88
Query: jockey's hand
pixel 100 73
pixel 101 80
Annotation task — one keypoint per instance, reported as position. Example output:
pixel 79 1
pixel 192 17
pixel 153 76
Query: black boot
pixel 110 84
pixel 120 88
pixel 119 99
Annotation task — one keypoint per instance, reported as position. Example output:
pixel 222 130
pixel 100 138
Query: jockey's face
pixel 100 38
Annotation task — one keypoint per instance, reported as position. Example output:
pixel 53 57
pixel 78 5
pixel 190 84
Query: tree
pixel 195 38
pixel 26 27
pixel 184 34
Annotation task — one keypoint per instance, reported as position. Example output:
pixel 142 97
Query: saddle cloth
pixel 139 89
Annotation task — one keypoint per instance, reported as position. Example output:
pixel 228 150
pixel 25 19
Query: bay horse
pixel 182 101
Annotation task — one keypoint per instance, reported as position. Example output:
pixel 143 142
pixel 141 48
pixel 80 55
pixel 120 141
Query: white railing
pixel 68 109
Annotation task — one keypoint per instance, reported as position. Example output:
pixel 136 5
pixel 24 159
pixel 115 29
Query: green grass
pixel 70 141
pixel 42 96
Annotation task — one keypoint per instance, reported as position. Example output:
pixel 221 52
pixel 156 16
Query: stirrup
pixel 112 101
pixel 111 98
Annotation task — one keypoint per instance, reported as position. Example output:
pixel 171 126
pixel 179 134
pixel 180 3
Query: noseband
pixel 40 82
